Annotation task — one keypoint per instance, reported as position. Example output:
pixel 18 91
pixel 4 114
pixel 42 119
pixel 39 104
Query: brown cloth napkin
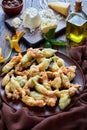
pixel 79 54
pixel 73 119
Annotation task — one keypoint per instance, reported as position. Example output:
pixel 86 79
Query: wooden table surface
pixel 4 30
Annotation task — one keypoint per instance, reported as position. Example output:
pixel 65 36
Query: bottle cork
pixel 78 5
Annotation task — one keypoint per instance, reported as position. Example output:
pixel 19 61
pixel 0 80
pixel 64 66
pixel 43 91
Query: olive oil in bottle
pixel 76 26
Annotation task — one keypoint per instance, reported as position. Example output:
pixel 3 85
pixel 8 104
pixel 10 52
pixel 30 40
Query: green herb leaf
pixel 50 34
pixel 47 44
pixel 51 40
pixel 58 42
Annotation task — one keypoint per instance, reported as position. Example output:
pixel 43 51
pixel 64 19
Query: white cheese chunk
pixel 16 22
pixel 60 7
pixel 31 18
pixel 47 14
pixel 48 24
pixel 48 20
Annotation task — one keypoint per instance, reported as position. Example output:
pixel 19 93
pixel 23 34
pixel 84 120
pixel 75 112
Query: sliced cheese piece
pixel 60 7
pixel 48 24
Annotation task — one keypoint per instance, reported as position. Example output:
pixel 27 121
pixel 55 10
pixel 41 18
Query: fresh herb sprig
pixel 50 39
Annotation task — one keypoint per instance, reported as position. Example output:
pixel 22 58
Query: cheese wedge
pixel 60 7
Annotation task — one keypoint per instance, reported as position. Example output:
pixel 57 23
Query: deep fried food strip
pixel 36 95
pixel 44 64
pixel 19 70
pixel 44 80
pixel 56 83
pixel 36 53
pixel 6 78
pixel 13 89
pixel 21 80
pixel 74 88
pixel 30 83
pixel 50 74
pixel 65 95
pixel 30 101
pixel 48 52
pixel 65 81
pixel 33 70
pixel 69 71
pixel 26 58
pixel 64 100
pixel 15 60
pixel 31 53
pixel 40 88
pixel 51 101
pixel 57 63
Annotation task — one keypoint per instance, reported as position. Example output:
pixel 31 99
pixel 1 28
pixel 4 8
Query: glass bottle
pixel 76 26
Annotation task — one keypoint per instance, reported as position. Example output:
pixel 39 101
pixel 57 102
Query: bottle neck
pixel 78 6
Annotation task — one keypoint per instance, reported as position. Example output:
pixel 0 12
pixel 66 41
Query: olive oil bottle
pixel 76 25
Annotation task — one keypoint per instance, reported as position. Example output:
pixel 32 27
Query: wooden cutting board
pixel 35 37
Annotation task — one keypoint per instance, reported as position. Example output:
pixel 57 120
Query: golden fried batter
pixel 40 78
